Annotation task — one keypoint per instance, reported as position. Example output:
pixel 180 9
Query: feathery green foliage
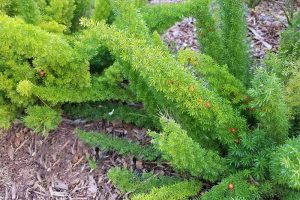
pixel 42 119
pixel 269 105
pixel 290 39
pixel 216 78
pixel 253 153
pixel 28 10
pixel 241 188
pixel 178 191
pixel 111 111
pixel 158 71
pixel 62 11
pixel 208 33
pixel 184 154
pixel 120 145
pixel 102 10
pixel 129 181
pixel 285 164
pixel 234 34
pixel 162 16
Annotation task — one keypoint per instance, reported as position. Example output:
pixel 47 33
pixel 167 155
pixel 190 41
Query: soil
pixel 56 167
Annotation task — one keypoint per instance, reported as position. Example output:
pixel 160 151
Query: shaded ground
pixel 32 167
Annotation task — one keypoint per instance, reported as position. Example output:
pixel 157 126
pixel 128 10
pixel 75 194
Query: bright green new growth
pixel 122 146
pixel 184 154
pixel 129 181
pixel 269 105
pixel 42 119
pixel 285 164
pixel 179 191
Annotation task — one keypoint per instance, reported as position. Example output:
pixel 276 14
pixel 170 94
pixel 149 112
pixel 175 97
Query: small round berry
pixel 232 130
pixel 42 73
pixel 230 186
pixel 207 104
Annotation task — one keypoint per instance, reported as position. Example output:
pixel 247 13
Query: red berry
pixel 42 73
pixel 230 186
pixel 232 130
pixel 207 104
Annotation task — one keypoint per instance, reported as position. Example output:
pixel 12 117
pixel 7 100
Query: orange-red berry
pixel 207 104
pixel 232 130
pixel 230 186
pixel 42 73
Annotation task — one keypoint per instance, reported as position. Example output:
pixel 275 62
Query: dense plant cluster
pixel 210 118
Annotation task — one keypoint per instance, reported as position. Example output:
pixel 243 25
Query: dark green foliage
pixel 42 119
pixel 269 105
pixel 122 146
pixel 253 152
pixel 184 154
pixel 112 111
pixel 285 164
pixel 129 181
pixel 179 191
pixel 242 189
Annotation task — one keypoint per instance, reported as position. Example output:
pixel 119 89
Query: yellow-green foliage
pixel 62 11
pixel 215 77
pixel 184 154
pixel 162 16
pixel 179 191
pixel 172 83
pixel 102 10
pixel 42 119
pixel 285 164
